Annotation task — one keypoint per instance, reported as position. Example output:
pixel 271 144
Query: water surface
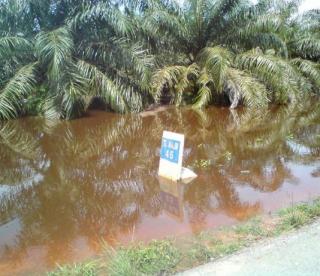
pixel 65 186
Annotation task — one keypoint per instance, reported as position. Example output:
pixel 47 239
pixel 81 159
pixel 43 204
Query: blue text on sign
pixel 170 150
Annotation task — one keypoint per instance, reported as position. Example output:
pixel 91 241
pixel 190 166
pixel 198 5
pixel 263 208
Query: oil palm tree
pixel 56 56
pixel 55 64
pixel 255 53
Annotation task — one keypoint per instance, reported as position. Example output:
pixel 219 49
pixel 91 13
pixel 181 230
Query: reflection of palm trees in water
pixel 90 199
pixel 259 141
pixel 98 176
pixel 251 149
pixel 218 196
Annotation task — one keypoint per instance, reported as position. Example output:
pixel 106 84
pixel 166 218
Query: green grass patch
pixel 197 253
pixel 251 228
pixel 82 269
pixel 297 216
pixel 226 248
pixel 154 258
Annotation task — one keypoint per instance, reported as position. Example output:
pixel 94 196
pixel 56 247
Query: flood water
pixel 66 186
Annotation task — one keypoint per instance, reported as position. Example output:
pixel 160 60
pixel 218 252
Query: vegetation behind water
pixel 57 56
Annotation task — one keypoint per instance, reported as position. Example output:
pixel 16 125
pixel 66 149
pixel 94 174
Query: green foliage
pixel 157 256
pixel 253 227
pixel 202 164
pixel 13 45
pixel 131 53
pixel 226 248
pixel 84 269
pixel 15 90
pixel 299 215
pixel 79 51
pixel 199 252
pixel 54 51
pixel 241 50
pixel 295 217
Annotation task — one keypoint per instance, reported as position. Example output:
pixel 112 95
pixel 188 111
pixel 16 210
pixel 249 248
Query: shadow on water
pixel 65 186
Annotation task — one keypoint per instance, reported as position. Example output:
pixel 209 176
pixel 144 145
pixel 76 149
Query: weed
pixel 156 257
pixel 295 217
pixel 228 156
pixel 199 252
pixel 253 227
pixel 315 208
pixel 119 263
pixel 84 269
pixel 222 249
pixel 202 164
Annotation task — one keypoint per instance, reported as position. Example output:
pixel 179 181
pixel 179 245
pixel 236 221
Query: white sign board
pixel 171 154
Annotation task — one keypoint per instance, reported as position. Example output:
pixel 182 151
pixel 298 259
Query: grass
pixel 158 257
pixel 83 269
pixel 168 256
pixel 299 215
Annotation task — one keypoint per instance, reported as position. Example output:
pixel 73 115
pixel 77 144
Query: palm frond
pixel 13 94
pixel 204 97
pixel 306 47
pixel 54 50
pixel 278 74
pixel 216 60
pixel 309 69
pixel 185 82
pixel 116 19
pixel 73 99
pixel 255 59
pixel 157 20
pixel 165 77
pixel 119 97
pixel 10 45
pixel 262 24
pixel 252 91
pixel 137 60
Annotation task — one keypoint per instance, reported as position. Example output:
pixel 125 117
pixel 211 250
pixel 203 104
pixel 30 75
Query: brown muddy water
pixel 66 186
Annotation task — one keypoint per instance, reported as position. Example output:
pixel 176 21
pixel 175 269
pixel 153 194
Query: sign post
pixel 171 155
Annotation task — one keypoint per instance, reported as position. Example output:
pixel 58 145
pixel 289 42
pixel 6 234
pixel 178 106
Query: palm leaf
pixel 54 50
pixel 306 47
pixel 216 60
pixel 119 97
pixel 11 45
pixel 15 91
pixel 118 21
pixel 252 91
pixel 166 77
pixel 204 97
pixel 309 69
